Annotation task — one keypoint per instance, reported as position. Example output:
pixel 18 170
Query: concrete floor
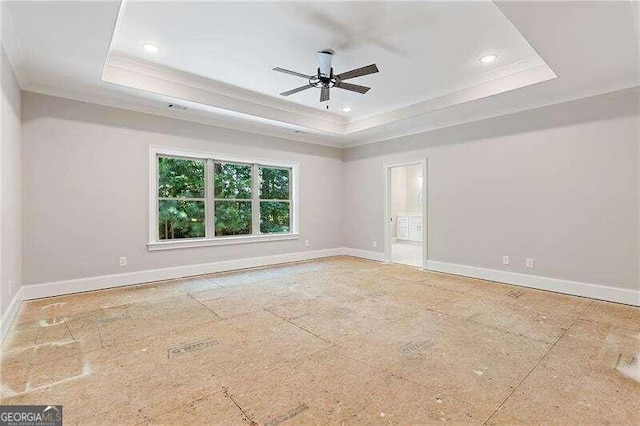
pixel 339 340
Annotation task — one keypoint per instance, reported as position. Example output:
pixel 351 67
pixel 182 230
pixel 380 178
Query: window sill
pixel 219 241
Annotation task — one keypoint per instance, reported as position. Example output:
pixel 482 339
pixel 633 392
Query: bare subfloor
pixel 332 341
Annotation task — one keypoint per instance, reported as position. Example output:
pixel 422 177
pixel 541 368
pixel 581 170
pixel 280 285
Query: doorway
pixel 405 213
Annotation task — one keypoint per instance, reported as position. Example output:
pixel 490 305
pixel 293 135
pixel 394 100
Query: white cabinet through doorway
pixel 409 227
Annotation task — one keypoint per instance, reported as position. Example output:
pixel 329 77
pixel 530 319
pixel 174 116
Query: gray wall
pixel 559 184
pixel 86 189
pixel 11 182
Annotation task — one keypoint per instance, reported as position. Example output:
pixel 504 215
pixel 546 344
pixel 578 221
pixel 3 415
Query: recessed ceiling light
pixel 487 59
pixel 151 48
pixel 346 109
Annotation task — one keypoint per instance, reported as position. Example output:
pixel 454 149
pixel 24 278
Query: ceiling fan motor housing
pixel 325 77
pixel 322 81
pixel 324 62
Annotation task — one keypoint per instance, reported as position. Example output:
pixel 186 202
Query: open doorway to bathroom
pixel 405 218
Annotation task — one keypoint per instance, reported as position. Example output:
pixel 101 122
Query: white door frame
pixel 386 169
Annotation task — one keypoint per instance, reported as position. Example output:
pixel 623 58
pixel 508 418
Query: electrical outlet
pixel 122 261
pixel 506 260
pixel 306 243
pixel 375 244
pixel 529 262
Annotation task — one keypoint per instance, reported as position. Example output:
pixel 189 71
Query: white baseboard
pixel 575 288
pixel 363 254
pixel 58 288
pixel 8 316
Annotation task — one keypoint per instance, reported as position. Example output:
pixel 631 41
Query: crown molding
pixel 537 73
pixel 153 78
pixel 13 48
pixel 221 98
pixel 153 69
pixel 157 106
pixel 474 118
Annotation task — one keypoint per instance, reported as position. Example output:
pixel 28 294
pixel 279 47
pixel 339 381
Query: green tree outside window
pixel 183 200
pixel 232 182
pixel 275 214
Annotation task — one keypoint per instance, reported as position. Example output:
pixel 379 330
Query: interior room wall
pixel 11 182
pixel 86 189
pixel 559 184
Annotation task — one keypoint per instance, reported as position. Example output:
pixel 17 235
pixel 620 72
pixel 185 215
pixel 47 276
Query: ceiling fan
pixel 325 79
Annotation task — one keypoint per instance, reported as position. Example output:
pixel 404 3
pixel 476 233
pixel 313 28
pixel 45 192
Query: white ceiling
pixel 216 59
pixel 423 49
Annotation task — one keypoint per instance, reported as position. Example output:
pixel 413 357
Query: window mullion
pixel 180 199
pixel 255 200
pixel 209 186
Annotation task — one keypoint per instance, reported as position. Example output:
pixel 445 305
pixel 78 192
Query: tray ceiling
pixel 423 49
pixel 216 59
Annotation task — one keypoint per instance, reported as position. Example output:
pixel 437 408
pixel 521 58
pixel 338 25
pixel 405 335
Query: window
pixel 232 198
pixel 275 205
pixel 197 199
pixel 181 200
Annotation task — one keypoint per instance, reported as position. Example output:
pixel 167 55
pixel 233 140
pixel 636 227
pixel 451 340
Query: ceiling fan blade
pixel 369 69
pixel 324 94
pixel 296 90
pixel 297 74
pixel 353 87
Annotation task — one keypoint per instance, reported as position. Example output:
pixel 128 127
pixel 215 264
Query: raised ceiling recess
pixel 220 57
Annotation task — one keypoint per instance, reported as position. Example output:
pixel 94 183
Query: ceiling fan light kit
pixel 325 79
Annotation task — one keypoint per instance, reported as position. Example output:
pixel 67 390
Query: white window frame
pixel 210 239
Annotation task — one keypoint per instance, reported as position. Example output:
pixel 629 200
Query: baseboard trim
pixel 363 254
pixel 59 288
pixel 9 315
pixel 574 288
